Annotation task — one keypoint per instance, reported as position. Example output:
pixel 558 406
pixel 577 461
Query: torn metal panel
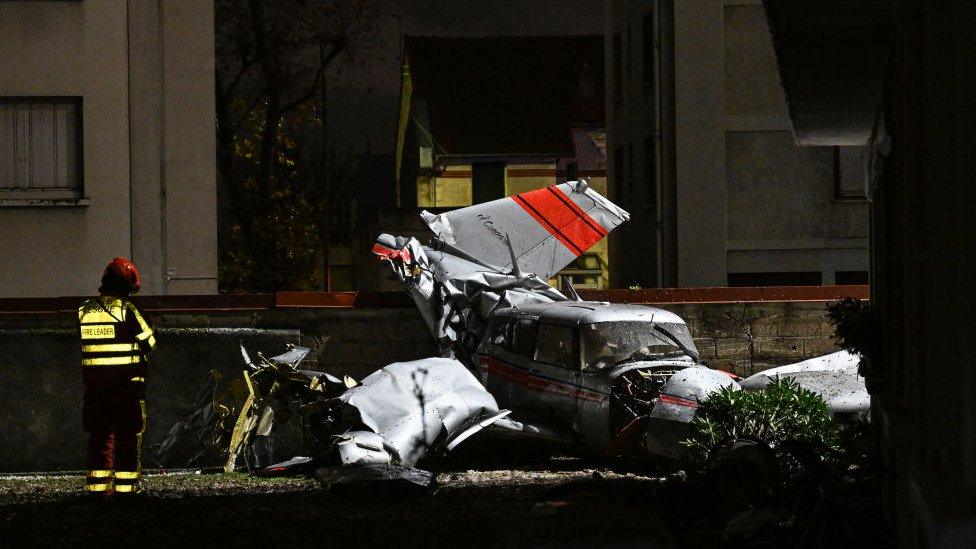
pixel 834 377
pixel 376 472
pixel 455 295
pixel 303 466
pixel 685 389
pixel 473 426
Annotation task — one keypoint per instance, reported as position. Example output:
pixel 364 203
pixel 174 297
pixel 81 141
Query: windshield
pixel 606 344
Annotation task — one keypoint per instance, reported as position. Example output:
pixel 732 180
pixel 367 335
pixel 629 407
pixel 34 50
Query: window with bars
pixel 40 147
pixel 851 173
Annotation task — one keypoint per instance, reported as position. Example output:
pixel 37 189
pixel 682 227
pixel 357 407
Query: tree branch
pixel 337 48
pixel 246 65
pixel 247 111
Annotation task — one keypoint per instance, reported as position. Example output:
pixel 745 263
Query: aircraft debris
pixel 834 377
pixel 519 358
pixel 394 416
pixel 608 378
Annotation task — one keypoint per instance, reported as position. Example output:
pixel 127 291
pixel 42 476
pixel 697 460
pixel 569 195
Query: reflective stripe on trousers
pixel 99 480
pixel 127 481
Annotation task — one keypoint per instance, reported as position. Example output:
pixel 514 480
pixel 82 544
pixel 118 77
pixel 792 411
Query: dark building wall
pixel 40 385
pixel 924 260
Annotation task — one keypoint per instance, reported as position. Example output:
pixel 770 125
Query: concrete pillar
pixel 699 83
pixel 189 190
pixel 146 143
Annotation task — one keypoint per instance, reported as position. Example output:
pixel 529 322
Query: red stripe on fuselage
pixel 493 366
pixel 559 215
pixel 678 401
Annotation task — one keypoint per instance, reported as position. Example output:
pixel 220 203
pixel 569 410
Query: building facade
pixel 485 118
pixel 107 145
pixel 701 151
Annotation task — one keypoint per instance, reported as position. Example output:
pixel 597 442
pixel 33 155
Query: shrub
pixel 794 422
pixel 857 326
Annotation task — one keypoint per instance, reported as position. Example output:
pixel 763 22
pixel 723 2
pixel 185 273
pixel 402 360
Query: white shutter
pixel 39 145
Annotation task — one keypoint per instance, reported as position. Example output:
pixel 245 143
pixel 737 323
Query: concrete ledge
pixel 45 202
pixel 400 300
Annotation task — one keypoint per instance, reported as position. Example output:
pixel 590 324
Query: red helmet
pixel 121 274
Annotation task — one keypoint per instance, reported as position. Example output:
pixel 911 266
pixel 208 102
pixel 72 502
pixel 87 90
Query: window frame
pixel 522 325
pixel 54 195
pixel 574 358
pixel 840 193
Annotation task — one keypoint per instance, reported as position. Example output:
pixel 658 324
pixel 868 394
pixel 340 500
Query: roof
pixel 507 95
pixel 575 313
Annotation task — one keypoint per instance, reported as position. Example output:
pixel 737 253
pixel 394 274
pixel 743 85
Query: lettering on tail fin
pixel 490 226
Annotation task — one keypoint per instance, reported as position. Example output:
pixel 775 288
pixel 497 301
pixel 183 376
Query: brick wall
pixel 746 338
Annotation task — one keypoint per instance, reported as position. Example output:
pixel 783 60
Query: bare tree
pixel 273 58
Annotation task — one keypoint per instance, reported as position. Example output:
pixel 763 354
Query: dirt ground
pixel 561 502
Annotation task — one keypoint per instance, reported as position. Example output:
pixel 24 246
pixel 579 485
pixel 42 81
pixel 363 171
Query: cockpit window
pixel 525 332
pixel 607 344
pixel 555 345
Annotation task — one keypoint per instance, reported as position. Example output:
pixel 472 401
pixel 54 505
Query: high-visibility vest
pixel 114 341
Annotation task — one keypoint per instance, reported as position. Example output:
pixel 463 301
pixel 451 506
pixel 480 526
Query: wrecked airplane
pixel 611 378
pixel 519 357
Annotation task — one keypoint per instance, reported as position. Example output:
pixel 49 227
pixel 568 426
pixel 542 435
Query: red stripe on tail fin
pixel 559 215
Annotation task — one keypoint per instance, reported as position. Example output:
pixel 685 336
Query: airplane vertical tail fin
pixel 541 231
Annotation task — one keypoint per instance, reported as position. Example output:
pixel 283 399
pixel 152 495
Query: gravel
pixel 557 502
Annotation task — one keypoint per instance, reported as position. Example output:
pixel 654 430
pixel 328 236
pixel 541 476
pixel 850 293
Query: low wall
pixel 40 382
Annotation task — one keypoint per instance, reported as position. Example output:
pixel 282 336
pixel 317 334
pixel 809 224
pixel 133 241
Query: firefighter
pixel 115 340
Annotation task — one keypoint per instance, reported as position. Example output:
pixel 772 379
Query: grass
pixel 173 485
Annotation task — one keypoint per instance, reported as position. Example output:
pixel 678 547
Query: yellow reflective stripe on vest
pixel 127 475
pixel 99 473
pixel 146 332
pixel 138 379
pixel 111 361
pixel 110 348
pixel 99 487
pixel 148 337
pixel 100 316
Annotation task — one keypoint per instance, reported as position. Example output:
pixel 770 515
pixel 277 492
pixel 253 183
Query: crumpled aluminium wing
pixel 834 377
pixel 548 227
pixel 405 408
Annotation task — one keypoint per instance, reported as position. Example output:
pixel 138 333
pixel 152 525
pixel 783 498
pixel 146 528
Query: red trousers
pixel 114 419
